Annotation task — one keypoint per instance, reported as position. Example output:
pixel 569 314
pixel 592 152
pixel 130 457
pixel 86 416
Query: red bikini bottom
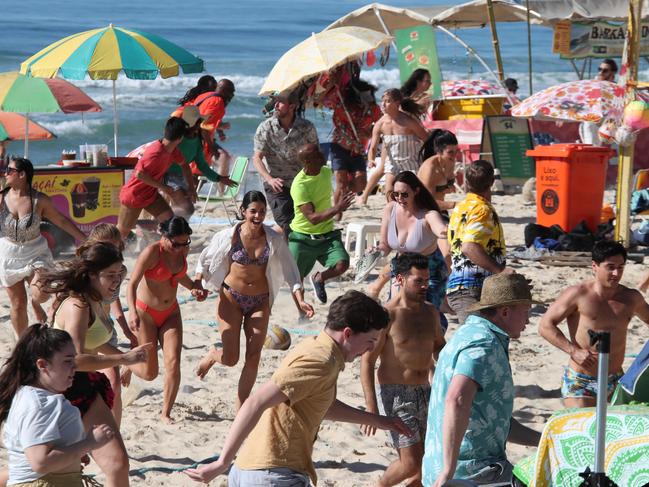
pixel 159 316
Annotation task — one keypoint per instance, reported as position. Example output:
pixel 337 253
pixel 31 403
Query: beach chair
pixel 237 175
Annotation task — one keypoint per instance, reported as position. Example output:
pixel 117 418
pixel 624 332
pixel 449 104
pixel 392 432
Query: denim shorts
pixel 343 160
pixel 274 477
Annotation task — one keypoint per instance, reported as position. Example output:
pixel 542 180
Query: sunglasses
pixel 11 170
pixel 603 70
pixel 397 194
pixel 178 245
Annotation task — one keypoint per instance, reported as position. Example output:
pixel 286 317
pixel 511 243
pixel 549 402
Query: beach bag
pixel 546 243
pixel 639 201
pixel 579 239
pixel 533 231
pixel 641 234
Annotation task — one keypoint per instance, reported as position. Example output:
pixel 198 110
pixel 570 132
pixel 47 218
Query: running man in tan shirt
pixel 408 349
pixel 599 304
pixel 283 416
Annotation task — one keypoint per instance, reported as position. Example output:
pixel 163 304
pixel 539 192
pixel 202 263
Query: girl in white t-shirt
pixel 43 431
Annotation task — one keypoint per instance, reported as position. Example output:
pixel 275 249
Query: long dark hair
pixel 72 277
pixel 423 198
pixel 359 92
pixel 406 104
pixel 174 227
pixel 436 142
pixel 410 85
pixel 38 341
pixel 248 198
pixel 205 83
pixel 26 166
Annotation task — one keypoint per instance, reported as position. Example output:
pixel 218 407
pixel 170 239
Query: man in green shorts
pixel 312 236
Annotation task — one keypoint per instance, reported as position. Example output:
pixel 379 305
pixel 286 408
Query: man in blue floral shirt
pixel 472 397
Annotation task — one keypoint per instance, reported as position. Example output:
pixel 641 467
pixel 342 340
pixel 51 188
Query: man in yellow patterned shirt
pixel 477 241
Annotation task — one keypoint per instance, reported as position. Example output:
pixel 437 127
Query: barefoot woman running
pixel 248 264
pixel 87 281
pixel 154 314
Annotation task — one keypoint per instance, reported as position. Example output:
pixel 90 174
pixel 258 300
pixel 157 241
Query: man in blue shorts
pixel 599 304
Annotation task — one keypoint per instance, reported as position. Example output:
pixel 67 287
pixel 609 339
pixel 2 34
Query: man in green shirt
pixel 184 196
pixel 312 236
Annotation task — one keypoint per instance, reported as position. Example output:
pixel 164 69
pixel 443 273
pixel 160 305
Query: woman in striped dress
pixel 402 134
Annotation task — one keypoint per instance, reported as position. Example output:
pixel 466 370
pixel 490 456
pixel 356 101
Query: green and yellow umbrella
pixel 104 53
pixel 24 94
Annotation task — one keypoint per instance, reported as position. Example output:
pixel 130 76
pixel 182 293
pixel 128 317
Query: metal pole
pixel 529 45
pixel 625 162
pixel 385 27
pixel 472 51
pixel 26 150
pixel 494 40
pixel 602 398
pixel 115 117
pixel 349 117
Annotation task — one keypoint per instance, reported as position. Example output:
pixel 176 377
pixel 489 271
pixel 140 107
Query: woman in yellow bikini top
pixel 86 281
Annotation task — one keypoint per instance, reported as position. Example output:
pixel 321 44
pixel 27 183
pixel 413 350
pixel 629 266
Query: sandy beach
pixel 343 456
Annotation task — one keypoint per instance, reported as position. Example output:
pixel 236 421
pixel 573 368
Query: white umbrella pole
pixel 349 117
pixel 26 151
pixel 115 118
pixel 385 27
pixel 473 52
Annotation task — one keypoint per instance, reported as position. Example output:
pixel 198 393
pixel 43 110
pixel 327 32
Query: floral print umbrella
pixel 470 87
pixel 580 101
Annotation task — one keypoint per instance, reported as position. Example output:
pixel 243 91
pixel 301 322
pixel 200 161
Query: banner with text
pixel 417 48
pixel 85 196
pixel 576 40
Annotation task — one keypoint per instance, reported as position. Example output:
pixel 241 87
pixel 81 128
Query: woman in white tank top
pixel 412 222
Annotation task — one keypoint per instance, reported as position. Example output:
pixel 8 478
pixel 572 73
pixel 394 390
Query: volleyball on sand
pixel 277 338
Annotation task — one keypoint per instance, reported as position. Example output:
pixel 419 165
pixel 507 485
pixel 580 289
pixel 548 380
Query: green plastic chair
pixel 237 174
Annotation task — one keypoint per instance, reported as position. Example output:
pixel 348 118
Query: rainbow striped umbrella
pixel 24 94
pixel 104 53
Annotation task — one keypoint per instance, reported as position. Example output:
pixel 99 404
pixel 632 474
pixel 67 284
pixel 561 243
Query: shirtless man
pixel 599 304
pixel 408 349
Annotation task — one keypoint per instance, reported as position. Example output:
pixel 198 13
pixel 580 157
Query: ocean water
pixel 238 40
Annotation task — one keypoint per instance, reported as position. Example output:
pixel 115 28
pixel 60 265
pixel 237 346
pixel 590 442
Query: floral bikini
pixel 247 303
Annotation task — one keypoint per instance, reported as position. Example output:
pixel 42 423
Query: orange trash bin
pixel 570 181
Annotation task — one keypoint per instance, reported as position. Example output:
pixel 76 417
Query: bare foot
pixel 206 363
pixel 39 312
pixel 166 419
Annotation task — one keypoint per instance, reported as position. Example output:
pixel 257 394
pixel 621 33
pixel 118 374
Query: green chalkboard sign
pixel 507 139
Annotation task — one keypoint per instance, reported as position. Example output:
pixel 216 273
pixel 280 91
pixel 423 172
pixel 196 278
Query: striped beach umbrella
pixel 24 94
pixel 104 53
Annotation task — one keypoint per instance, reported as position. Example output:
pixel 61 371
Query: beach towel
pixel 635 382
pixel 567 448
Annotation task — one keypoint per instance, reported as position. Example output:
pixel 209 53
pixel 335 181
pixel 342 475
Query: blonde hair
pixel 102 233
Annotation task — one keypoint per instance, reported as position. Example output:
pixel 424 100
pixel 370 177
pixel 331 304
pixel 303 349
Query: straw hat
pixel 191 115
pixel 504 290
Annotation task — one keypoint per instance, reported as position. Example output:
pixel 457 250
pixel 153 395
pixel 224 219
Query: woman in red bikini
pixel 247 263
pixel 154 314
